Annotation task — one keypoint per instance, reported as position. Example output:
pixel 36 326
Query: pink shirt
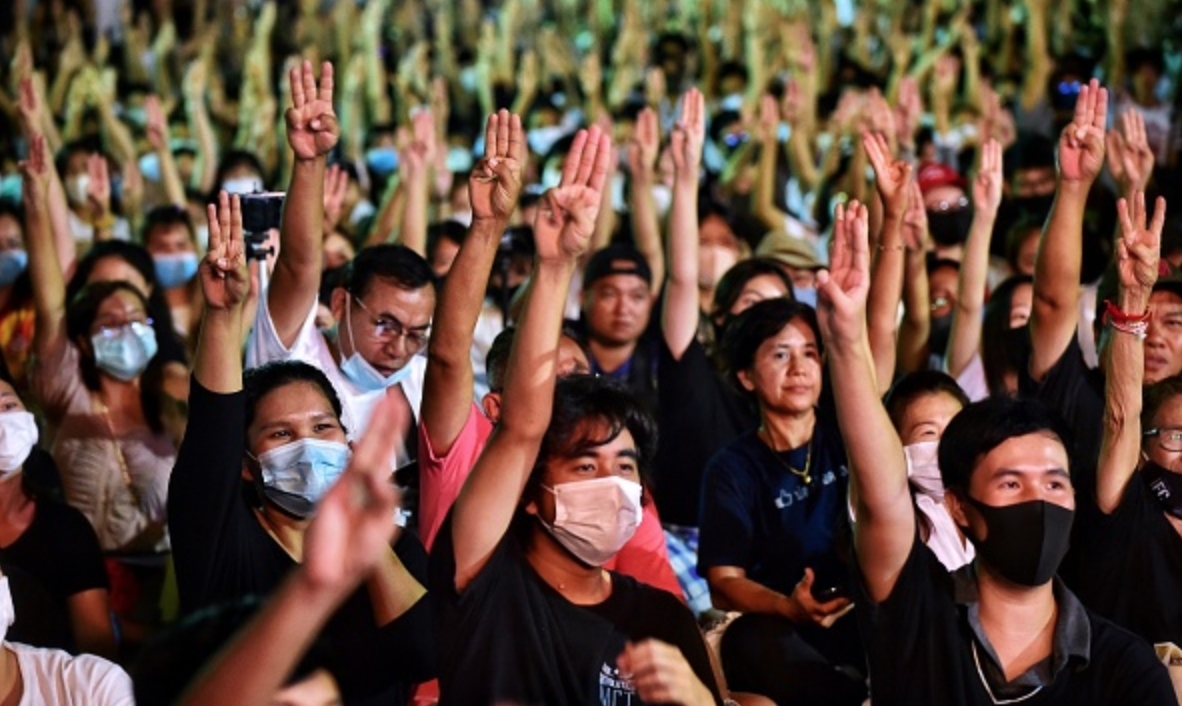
pixel 644 558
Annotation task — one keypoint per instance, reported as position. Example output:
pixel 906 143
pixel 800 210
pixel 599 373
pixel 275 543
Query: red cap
pixel 933 175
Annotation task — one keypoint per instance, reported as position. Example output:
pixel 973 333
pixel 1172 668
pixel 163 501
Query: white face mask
pixel 663 197
pixel 594 519
pixel 76 188
pixel 242 185
pixel 923 468
pixel 18 436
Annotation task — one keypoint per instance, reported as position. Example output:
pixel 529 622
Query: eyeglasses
pixel 1170 438
pixel 945 206
pixel 387 328
pixel 109 328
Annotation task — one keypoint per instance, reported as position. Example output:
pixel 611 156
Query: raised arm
pixel 563 231
pixel 494 187
pixel 312 132
pixel 1130 161
pixel 965 336
pixel 225 284
pixel 916 326
pixel 642 163
pixel 32 113
pixel 1137 254
pixel 158 137
pixel 885 529
pixel 49 286
pixel 763 196
pixel 1056 270
pixel 418 159
pixel 679 315
pixel 892 177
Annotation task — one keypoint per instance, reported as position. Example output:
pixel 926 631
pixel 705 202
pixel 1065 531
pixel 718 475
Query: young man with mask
pixel 554 495
pixel 384 311
pixel 1003 630
pixel 949 211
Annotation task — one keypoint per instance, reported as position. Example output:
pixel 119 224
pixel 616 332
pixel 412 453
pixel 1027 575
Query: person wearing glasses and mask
pixel 262 449
pixel 384 308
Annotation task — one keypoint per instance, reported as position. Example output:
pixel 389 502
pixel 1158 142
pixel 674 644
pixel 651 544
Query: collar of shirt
pixel 620 373
pixel 1073 638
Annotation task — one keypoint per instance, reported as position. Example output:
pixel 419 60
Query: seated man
pixel 1001 630
pixel 555 494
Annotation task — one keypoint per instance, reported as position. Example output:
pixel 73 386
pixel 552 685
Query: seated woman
pixel 47 548
pixel 258 455
pixel 774 521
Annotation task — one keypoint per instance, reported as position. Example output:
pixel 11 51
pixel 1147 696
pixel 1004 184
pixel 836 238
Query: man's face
pixel 1020 469
pixel 1163 340
pixel 1168 424
pixel 617 457
pixel 1037 181
pixel 169 240
pixel 387 325
pixel 617 309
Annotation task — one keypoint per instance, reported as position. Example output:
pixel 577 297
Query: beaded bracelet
pixel 1127 323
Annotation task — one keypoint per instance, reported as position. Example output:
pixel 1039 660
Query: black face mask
pixel 950 227
pixel 1166 486
pixel 1025 542
pixel 939 334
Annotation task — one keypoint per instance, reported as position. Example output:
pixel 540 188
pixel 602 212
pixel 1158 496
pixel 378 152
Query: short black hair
pixel 916 385
pixel 1030 151
pixel 232 160
pixel 167 216
pixel 985 425
pixel 1156 396
pixel 1137 57
pixel 731 284
pixel 258 382
pixel 172 660
pixel 583 405
pixel 1001 350
pixel 496 360
pixel 395 264
pixel 761 321
pixel 444 230
pixel 1018 232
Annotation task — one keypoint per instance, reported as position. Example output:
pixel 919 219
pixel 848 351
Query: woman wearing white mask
pixel 47 547
pixel 16 295
pixel 259 453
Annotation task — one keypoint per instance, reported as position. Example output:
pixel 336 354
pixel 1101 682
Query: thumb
pixel 503 171
pixel 806 583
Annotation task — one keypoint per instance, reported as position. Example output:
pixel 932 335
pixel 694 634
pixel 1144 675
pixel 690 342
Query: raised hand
pixel 98 189
pixel 35 173
pixel 312 127
pixel 157 127
pixel 1081 146
pixel 689 134
pixel 354 524
pixel 1139 247
pixel 1129 158
pixel 915 220
pixel 769 120
pixel 566 219
pixel 843 289
pixel 890 175
pixel 495 183
pixel 645 145
pixel 28 107
pixel 661 674
pixel 225 280
pixel 336 184
pixel 987 184
pixel 908 112
pixel 418 155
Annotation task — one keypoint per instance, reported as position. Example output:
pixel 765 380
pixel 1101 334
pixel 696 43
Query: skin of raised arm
pixel 418 183
pixel 205 168
pixel 158 136
pixel 31 113
pixel 1038 57
pixel 225 284
pixel 916 326
pixel 679 313
pixel 763 196
pixel 495 185
pixel 1055 311
pixel 879 490
pixel 893 178
pixel 563 231
pixel 646 226
pixel 965 336
pixel 1138 252
pixel 49 286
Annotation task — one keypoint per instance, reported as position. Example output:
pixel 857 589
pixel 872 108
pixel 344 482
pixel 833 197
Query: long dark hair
pixel 1003 349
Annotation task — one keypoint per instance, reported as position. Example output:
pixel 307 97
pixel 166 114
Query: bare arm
pixel 418 159
pixel 495 185
pixel 916 326
pixel 31 114
pixel 205 166
pixel 1038 57
pixel 885 530
pixel 90 622
pixel 170 177
pixel 679 315
pixel 562 232
pixel 1137 260
pixel 49 286
pixel 646 226
pixel 763 197
pixel 1055 311
pixel 893 180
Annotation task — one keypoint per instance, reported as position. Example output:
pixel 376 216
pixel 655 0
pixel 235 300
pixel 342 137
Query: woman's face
pixel 9 400
pixel 1021 302
pixel 786 373
pixel 297 410
pixel 926 417
pixel 757 289
pixel 116 269
pixel 118 310
pixel 11 235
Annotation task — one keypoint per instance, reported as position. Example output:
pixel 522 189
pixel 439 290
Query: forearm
pixel 1057 266
pixel 765 185
pixel 1120 445
pixel 886 290
pixel 737 593
pixel 392 590
pixel 49 286
pixel 646 227
pixel 414 218
pixel 965 336
pixel 217 363
pixel 205 164
pixel 917 315
pixel 170 177
pixel 1038 59
pixel 679 316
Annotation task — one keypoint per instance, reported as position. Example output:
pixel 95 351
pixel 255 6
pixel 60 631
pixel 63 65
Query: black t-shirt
pixel 699 413
pixel 1077 392
pixel 511 638
pixel 1129 567
pixel 56 557
pixel 222 553
pixel 759 516
pixel 918 644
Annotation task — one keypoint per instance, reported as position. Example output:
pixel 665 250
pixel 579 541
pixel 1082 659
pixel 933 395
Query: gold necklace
pixel 119 456
pixel 808 457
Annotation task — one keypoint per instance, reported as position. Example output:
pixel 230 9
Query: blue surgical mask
pixel 242 185
pixel 175 269
pixel 297 475
pixel 359 370
pixel 12 264
pixel 382 161
pixel 125 352
pixel 805 295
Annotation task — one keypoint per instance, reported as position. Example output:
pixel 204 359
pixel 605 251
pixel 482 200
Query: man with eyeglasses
pixel 384 307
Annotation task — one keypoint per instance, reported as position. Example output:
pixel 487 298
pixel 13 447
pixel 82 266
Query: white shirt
pixel 310 347
pixel 57 678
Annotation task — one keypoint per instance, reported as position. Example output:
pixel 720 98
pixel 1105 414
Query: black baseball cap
pixel 616 260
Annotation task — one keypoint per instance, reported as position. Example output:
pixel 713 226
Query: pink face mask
pixel 594 519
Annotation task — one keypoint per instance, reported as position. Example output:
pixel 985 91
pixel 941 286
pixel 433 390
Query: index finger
pixel 326 82
pixel 574 158
pixel 603 158
pixel 1100 113
pixel 309 81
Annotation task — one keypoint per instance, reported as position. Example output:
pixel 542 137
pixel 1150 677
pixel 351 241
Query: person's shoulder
pixel 1110 641
pixel 739 456
pixel 1127 664
pixel 82 673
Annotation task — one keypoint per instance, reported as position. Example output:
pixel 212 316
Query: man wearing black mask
pixel 1002 630
pixel 948 208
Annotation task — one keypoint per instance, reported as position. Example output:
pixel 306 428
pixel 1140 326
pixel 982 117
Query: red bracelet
pixel 1113 314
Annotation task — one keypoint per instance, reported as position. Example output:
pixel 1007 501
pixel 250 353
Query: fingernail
pixel 222 262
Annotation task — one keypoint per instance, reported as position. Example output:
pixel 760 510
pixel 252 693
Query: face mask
pixel 12 264
pixel 297 475
pixel 76 188
pixel 124 354
pixel 364 209
pixel 150 167
pixel 923 468
pixel 18 436
pixel 1166 486
pixel 10 187
pixel 175 270
pixel 938 335
pixel 459 159
pixel 242 185
pixel 359 370
pixel 1024 543
pixel 541 139
pixel 594 519
pixel 203 237
pixel 950 227
pixel 663 197
pixel 469 79
pixel 381 160
pixel 805 295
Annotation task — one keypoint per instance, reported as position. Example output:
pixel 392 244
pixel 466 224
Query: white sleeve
pixel 264 345
pixel 104 683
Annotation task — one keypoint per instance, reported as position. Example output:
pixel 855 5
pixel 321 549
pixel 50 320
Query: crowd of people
pixel 606 352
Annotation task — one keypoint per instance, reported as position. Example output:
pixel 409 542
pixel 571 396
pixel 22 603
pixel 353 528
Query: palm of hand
pixel 308 142
pixel 496 197
pixel 986 191
pixel 225 289
pixel 1079 159
pixel 565 224
pixel 1139 270
pixel 893 184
